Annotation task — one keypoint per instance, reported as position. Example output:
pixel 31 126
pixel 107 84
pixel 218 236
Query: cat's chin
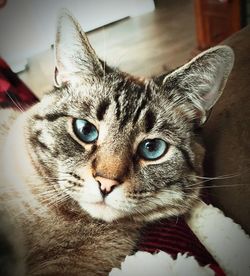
pixel 102 211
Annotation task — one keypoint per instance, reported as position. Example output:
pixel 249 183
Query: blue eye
pixel 152 149
pixel 85 131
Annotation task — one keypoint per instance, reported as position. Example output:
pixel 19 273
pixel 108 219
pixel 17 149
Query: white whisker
pixel 214 186
pixel 226 176
pixel 14 102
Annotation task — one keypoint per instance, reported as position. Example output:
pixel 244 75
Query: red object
pixel 13 92
pixel 172 236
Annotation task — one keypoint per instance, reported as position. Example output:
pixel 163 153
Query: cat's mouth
pixel 102 210
pixel 102 204
pixel 108 206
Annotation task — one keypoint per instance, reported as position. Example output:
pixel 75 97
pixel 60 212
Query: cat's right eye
pixel 85 131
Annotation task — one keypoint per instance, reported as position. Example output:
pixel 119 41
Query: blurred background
pixel 142 37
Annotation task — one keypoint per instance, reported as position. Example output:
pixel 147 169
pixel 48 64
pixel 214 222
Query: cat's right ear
pixel 75 58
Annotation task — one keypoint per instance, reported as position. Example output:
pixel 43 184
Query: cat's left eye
pixel 152 149
pixel 85 131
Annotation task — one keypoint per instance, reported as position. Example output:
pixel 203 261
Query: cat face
pixel 121 146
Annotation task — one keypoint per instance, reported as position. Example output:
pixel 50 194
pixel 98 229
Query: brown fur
pixel 49 180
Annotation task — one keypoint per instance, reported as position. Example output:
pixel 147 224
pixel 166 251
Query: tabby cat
pixel 102 154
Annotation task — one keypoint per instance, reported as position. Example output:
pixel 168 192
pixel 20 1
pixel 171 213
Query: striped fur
pixel 69 228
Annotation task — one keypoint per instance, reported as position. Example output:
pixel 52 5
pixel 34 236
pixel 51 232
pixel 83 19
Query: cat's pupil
pixel 87 129
pixel 151 146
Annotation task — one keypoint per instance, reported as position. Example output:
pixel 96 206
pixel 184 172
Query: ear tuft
pixel 202 80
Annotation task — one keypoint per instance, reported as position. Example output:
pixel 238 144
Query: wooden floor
pixel 145 45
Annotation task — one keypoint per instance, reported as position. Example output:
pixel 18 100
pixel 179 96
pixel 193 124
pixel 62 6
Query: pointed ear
pixel 74 55
pixel 202 80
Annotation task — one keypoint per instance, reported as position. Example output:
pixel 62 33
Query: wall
pixel 27 27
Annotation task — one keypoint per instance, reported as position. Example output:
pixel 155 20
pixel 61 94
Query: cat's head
pixel 119 145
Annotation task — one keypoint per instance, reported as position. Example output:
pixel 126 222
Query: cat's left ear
pixel 202 80
pixel 74 55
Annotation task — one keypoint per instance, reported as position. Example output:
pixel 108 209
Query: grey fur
pixel 62 233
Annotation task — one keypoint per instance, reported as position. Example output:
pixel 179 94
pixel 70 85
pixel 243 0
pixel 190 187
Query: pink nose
pixel 106 185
